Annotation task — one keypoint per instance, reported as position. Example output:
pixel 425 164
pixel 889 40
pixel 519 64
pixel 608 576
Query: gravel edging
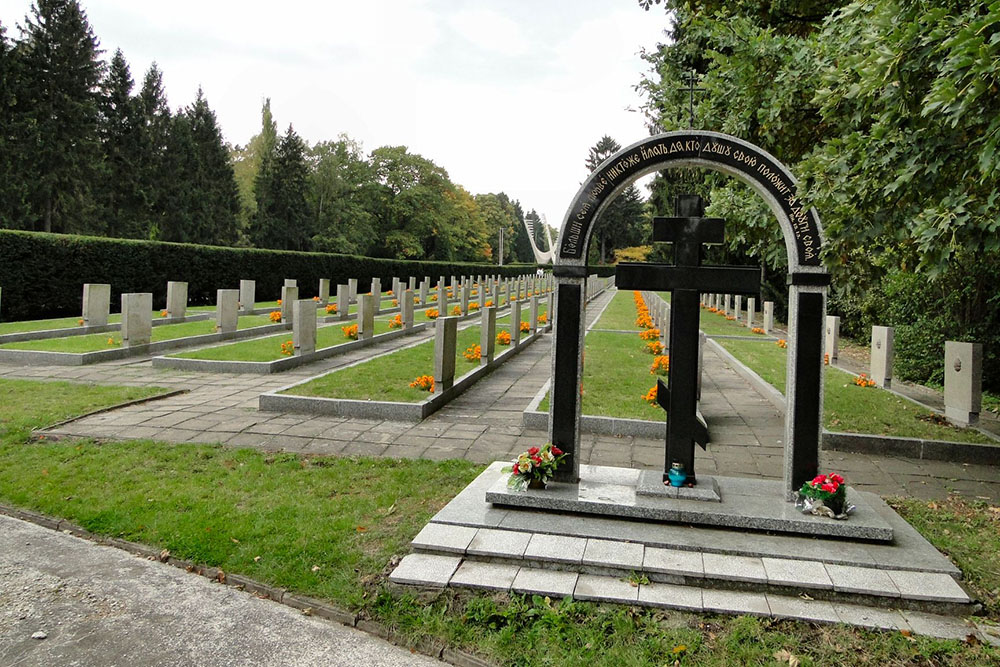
pixel 307 605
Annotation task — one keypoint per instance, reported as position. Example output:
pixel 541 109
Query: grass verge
pixel 849 408
pixel 105 341
pixel 330 527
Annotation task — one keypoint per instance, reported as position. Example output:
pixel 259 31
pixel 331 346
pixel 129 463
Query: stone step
pixel 439 571
pixel 934 592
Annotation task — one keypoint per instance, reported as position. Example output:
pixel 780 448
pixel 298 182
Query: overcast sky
pixel 505 95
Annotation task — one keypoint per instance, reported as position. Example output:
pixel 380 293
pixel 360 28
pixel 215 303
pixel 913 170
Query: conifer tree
pixel 13 195
pixel 120 199
pixel 60 87
pixel 283 219
pixel 155 123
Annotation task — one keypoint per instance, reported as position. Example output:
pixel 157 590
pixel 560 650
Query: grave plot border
pixel 807 279
pixel 286 363
pixel 44 358
pixel 45 334
pixel 275 401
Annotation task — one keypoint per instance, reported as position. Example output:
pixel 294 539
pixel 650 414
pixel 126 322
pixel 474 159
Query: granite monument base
pixel 744 503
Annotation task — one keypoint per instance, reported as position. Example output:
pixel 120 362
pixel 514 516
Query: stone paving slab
pixel 545 582
pixel 425 570
pixel 489 576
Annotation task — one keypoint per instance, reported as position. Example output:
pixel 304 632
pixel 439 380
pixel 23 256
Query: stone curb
pixel 868 443
pixel 535 419
pixel 45 334
pixel 110 408
pixel 307 605
pixel 46 358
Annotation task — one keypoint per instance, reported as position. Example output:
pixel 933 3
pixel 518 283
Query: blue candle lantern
pixel 676 474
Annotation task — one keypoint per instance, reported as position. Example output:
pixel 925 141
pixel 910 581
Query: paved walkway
pixel 100 607
pixel 482 425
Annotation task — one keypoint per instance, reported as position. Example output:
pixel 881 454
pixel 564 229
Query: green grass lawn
pixel 714 324
pixel 269 348
pixel 328 527
pixel 620 313
pixel 26 326
pixel 388 377
pixel 97 342
pixel 849 408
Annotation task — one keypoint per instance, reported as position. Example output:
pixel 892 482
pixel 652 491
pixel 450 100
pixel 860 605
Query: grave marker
pixel 343 301
pixel 488 335
pixel 963 382
pixel 248 296
pixel 768 317
pixel 533 324
pixel 366 316
pixel 832 338
pixel 291 282
pixel 304 326
pixel 324 291
pixel 177 298
pixel 96 304
pixel 882 356
pixel 751 311
pixel 227 312
pixel 137 318
pixel 515 323
pixel 406 309
pixel 352 289
pixel 289 294
pixel 445 338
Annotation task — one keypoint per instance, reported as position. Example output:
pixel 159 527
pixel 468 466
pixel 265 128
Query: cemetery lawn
pixel 269 348
pixel 72 322
pixel 388 377
pixel 98 342
pixel 849 408
pixel 329 527
pixel 714 324
pixel 620 314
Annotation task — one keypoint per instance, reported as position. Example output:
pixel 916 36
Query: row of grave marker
pixel 963 361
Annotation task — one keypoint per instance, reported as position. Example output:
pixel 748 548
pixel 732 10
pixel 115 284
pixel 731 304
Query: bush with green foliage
pixel 41 274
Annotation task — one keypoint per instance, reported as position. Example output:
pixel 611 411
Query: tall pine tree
pixel 13 191
pixel 61 75
pixel 283 219
pixel 621 223
pixel 119 193
pixel 154 174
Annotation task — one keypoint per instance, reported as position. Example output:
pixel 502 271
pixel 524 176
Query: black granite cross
pixel 686 279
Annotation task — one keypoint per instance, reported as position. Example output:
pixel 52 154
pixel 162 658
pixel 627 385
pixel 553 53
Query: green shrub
pixel 42 274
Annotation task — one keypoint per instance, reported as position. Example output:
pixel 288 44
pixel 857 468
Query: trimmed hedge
pixel 42 275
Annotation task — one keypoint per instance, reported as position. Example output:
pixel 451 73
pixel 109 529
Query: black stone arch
pixel 768 177
pixel 807 280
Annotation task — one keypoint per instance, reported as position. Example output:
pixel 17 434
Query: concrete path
pixel 102 607
pixel 482 425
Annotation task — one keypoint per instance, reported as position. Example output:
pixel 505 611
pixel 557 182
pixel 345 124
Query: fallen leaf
pixel 784 656
pixel 361 529
pixel 315 568
pixel 256 559
pixel 680 648
pixel 235 541
pixel 972 640
pixel 806 596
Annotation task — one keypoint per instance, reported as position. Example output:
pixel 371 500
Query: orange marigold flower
pixel 525 327
pixel 654 347
pixel 503 338
pixel 350 331
pixel 164 313
pixel 275 316
pixel 331 308
pixel 650 396
pixel 543 318
pixel 781 343
pixel 279 302
pixel 456 311
pixel 288 348
pixel 432 313
pixel 424 382
pixel 649 334
pixel 661 365
pixel 396 322
pixel 473 353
